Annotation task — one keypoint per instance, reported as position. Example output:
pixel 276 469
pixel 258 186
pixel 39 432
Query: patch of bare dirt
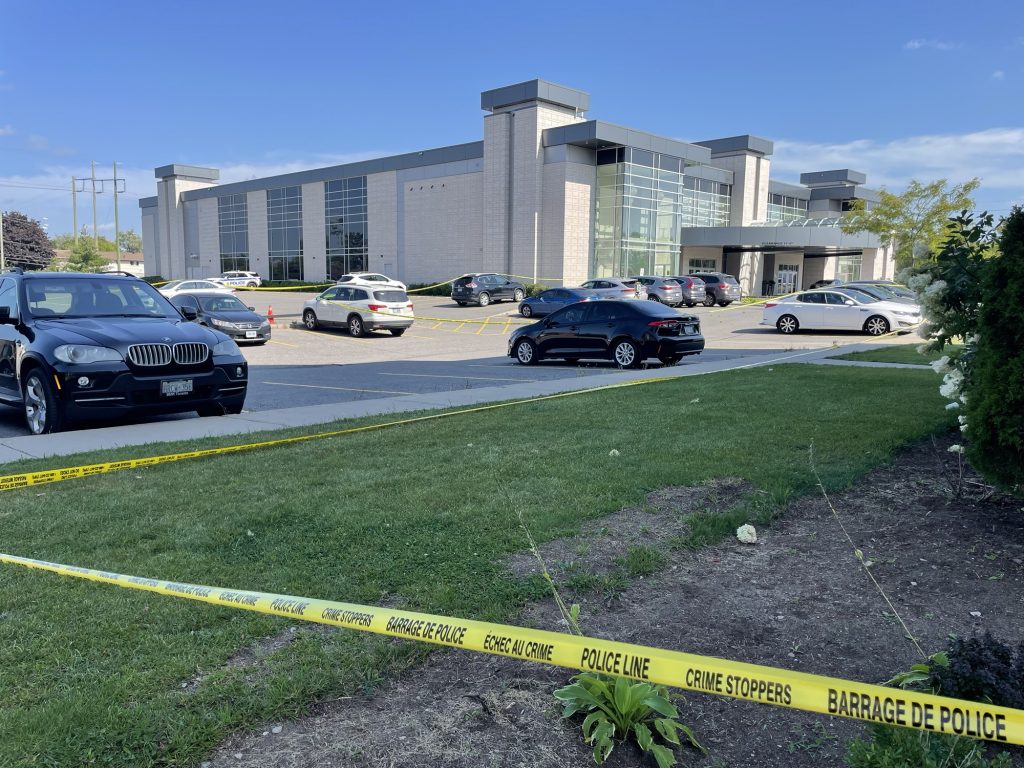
pixel 797 599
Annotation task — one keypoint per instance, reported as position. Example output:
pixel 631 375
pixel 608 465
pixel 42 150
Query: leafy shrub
pixel 995 406
pixel 982 669
pixel 532 289
pixel 894 747
pixel 430 289
pixel 618 708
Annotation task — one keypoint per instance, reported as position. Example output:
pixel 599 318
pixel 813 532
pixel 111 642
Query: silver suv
pixel 663 289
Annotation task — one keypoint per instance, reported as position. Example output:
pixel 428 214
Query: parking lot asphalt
pixel 450 349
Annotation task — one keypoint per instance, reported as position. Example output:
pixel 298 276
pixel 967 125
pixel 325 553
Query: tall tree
pixel 66 242
pixel 915 220
pixel 130 241
pixel 25 243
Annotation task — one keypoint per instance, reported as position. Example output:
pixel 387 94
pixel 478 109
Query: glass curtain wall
pixel 284 233
pixel 233 224
pixel 345 227
pixel 785 208
pixel 643 201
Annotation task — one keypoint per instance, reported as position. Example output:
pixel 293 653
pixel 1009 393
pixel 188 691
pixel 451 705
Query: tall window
pixel 284 233
pixel 345 225
pixel 644 199
pixel 233 221
pixel 848 267
pixel 785 208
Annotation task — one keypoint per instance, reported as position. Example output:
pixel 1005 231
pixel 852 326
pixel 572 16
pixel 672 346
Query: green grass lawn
pixel 414 516
pixel 905 353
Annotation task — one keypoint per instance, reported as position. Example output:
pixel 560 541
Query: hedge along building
pixel 546 194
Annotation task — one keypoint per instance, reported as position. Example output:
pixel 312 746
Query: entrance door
pixel 787 278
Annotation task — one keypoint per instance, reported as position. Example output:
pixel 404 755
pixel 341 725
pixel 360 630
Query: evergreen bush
pixel 995 406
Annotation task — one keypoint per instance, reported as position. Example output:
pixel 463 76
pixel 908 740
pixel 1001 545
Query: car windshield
pixel 875 290
pixel 393 296
pixel 858 296
pixel 170 285
pixel 222 304
pixel 66 298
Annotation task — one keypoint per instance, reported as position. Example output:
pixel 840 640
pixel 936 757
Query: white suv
pixel 360 308
pixel 369 278
pixel 237 277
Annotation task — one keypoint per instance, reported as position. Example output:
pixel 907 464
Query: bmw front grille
pixel 154 355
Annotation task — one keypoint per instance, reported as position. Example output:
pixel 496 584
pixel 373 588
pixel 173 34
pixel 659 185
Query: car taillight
pixel 408 306
pixel 471 285
pixel 659 323
pixel 629 290
pixel 769 304
pixel 376 307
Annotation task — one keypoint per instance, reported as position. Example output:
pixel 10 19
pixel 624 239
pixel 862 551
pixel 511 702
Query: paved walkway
pixel 67 443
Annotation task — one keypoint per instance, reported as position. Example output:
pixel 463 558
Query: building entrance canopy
pixel 813 240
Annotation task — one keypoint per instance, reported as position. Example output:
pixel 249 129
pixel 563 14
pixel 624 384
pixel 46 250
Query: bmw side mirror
pixel 189 313
pixel 252 309
pixel 5 315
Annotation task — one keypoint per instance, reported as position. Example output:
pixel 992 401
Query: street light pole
pixel 95 233
pixel 117 239
pixel 3 261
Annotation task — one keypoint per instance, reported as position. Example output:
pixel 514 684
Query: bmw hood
pixel 120 333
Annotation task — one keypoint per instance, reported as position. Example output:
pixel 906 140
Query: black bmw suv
pixel 79 346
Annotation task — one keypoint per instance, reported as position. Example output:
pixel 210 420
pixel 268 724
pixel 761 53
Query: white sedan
pixel 239 278
pixel 839 310
pixel 175 287
pixel 373 279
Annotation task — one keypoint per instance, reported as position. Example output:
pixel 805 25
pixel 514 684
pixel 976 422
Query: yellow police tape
pixel 738 680
pixel 27 479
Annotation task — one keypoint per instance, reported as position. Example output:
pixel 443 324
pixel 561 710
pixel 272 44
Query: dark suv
pixel 484 287
pixel 719 288
pixel 98 346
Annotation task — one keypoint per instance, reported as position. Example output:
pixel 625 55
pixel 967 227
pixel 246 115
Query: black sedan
pixel 553 299
pixel 225 313
pixel 626 332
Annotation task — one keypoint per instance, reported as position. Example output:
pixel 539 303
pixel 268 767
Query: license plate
pixel 250 334
pixel 690 330
pixel 176 387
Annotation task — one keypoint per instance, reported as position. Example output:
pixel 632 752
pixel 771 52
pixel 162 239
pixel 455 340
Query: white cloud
pixel 6 130
pixel 998 74
pixel 42 144
pixel 996 156
pixel 269 167
pixel 936 45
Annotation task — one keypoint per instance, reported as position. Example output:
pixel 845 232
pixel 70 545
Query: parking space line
pixel 334 337
pixel 282 343
pixel 442 376
pixel 340 389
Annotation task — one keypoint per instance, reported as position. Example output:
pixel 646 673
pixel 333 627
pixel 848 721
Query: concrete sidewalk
pixel 68 443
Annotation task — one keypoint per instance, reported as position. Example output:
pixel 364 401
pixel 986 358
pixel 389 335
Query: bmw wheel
pixel 526 352
pixel 626 354
pixel 526 310
pixel 43 413
pixel 876 325
pixel 787 324
pixel 355 325
pixel 309 319
pixel 518 295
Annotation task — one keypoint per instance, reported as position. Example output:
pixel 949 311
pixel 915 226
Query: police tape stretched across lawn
pixel 739 680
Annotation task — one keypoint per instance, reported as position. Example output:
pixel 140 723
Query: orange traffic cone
pixel 270 314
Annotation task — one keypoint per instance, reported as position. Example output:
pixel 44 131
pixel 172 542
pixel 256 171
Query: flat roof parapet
pixel 833 178
pixel 195 172
pixel 734 144
pixel 535 90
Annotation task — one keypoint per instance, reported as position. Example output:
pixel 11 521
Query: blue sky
pixel 896 89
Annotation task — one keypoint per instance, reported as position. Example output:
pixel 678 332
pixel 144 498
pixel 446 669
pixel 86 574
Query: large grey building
pixel 547 194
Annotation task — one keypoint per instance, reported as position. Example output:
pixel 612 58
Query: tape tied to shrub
pixel 738 680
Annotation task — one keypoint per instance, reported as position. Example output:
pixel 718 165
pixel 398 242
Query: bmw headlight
pixel 226 347
pixel 84 353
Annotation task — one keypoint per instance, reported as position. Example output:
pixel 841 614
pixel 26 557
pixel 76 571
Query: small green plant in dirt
pixel 894 747
pixel 641 561
pixel 617 708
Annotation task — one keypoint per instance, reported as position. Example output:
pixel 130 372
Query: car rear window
pixel 464 280
pixel 729 279
pixel 651 308
pixel 671 283
pixel 393 296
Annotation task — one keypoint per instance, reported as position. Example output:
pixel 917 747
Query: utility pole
pixel 74 205
pixel 3 261
pixel 95 233
pixel 117 231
